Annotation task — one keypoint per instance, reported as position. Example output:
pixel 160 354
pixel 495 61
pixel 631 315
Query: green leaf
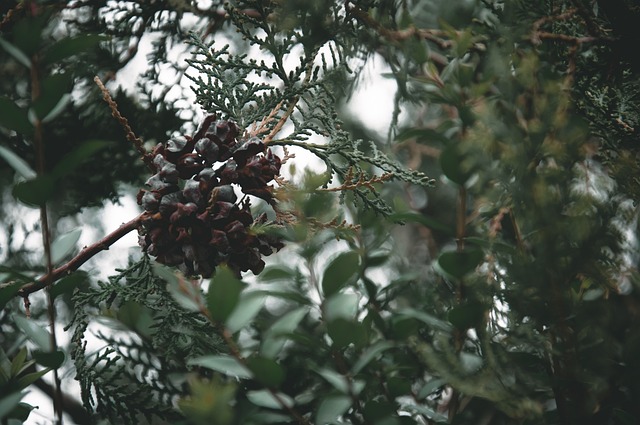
pixel 264 398
pixel 59 108
pixel 266 371
pixel 338 381
pixel 426 318
pixel 451 162
pixel 332 407
pixel 20 414
pixel 29 379
pixel 398 386
pixel 17 163
pixel 15 118
pixel 430 387
pixel 8 292
pixel 186 294
pixel 428 412
pixel 15 52
pixel 36 333
pixel 224 364
pixel 371 353
pixel 277 272
pixel 247 309
pixel 224 293
pixel 35 192
pixel 51 359
pixel 18 362
pixel 52 90
pixel 458 263
pixel 468 315
pixel 68 283
pixel 77 157
pixel 340 305
pixel 27 32
pixel 344 332
pixel 376 259
pixel 8 402
pixel 71 46
pixel 275 336
pixel 64 244
pixel 340 271
pixel 378 410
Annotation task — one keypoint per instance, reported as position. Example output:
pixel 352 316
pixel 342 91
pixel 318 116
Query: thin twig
pixel 137 142
pixel 83 256
pixel 290 108
pixel 9 16
pixel 46 238
pixel 351 184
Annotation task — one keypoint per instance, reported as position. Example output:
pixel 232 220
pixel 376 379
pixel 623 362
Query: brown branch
pixel 543 35
pixel 290 108
pixel 137 142
pixel 537 35
pixel 82 257
pixel 351 184
pixel 10 15
pixel 587 17
pixel 436 36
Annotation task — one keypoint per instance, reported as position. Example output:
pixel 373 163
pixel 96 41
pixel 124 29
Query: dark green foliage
pixel 510 296
pixel 141 368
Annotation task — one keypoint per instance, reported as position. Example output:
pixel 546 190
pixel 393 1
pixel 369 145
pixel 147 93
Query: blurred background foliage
pixel 475 263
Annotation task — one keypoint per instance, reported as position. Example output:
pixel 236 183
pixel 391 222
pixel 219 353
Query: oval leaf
pixel 35 192
pixel 332 407
pixel 266 371
pixel 51 359
pixel 344 332
pixel 224 293
pixel 63 245
pixel 264 398
pixel 275 336
pixel 340 305
pixel 450 162
pixel 8 292
pixel 15 52
pixel 248 307
pixel 187 295
pixel 223 364
pixel 9 401
pixel 36 333
pixel 371 353
pixel 14 118
pixel 459 263
pixel 340 272
pixel 465 316
pixel 77 156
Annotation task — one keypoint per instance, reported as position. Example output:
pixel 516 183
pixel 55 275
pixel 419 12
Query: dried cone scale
pixel 195 220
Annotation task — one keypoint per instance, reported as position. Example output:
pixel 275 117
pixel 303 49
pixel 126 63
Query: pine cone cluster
pixel 194 218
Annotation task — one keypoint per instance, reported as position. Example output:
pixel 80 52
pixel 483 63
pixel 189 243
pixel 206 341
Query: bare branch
pixel 82 257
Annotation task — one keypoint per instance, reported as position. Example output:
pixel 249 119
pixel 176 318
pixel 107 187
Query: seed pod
pixel 208 149
pixel 150 201
pixel 195 222
pixel 224 193
pixel 177 144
